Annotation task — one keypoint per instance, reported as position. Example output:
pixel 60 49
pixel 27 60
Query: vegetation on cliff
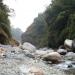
pixel 53 26
pixel 5 32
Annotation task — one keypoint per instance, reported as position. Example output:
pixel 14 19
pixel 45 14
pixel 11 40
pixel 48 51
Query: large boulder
pixel 54 57
pixel 28 46
pixel 68 44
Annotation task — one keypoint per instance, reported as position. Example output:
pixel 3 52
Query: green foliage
pixel 56 24
pixel 37 32
pixel 62 26
pixel 4 21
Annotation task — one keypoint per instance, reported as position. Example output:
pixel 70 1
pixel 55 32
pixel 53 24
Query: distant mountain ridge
pixel 16 33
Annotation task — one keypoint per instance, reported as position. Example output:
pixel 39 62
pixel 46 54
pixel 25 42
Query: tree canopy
pixel 58 23
pixel 4 22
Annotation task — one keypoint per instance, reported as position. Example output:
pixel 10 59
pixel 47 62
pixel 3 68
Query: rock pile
pixel 28 60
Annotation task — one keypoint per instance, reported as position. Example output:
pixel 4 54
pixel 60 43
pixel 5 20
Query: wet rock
pixel 70 66
pixel 62 51
pixel 28 46
pixel 70 56
pixel 54 57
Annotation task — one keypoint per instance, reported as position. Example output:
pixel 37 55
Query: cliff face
pixel 36 32
pixel 53 26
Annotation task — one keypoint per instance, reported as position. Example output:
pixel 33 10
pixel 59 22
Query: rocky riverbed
pixel 28 60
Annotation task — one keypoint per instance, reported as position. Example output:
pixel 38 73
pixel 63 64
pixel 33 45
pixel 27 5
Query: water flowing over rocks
pixel 28 61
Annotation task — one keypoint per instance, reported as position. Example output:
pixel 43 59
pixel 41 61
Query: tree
pixel 4 21
pixel 60 21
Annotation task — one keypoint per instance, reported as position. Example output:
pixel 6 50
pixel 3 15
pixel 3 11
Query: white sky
pixel 26 11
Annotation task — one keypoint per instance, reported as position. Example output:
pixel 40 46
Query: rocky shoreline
pixel 28 60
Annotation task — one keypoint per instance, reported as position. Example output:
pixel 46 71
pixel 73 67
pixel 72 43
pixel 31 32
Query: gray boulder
pixel 28 46
pixel 68 44
pixel 54 57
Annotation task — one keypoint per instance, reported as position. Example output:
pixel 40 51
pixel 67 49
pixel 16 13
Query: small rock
pixel 62 51
pixel 35 71
pixel 70 66
pixel 41 53
pixel 70 56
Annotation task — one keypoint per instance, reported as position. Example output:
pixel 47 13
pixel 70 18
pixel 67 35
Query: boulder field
pixel 26 59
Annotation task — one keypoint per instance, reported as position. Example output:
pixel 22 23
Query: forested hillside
pixel 53 26
pixel 37 32
pixel 5 32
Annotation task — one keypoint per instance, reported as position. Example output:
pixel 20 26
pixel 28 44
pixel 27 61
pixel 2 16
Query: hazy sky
pixel 26 11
